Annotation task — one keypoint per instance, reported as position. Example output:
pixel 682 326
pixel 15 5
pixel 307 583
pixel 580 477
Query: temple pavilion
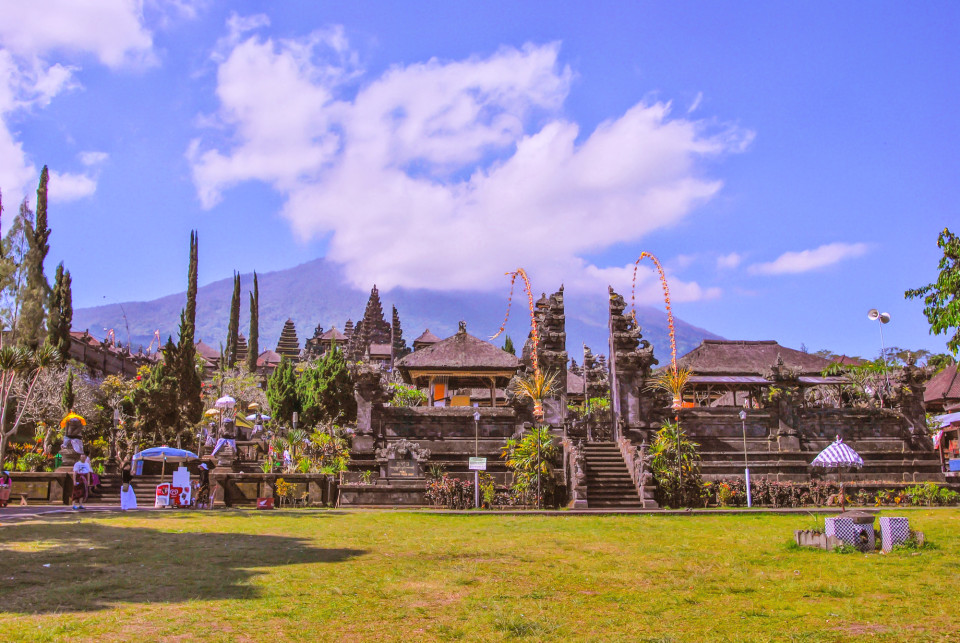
pixel 449 370
pixel 735 373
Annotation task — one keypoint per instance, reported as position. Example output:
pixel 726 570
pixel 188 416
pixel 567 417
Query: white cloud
pixel 445 174
pixel 110 30
pixel 728 262
pixel 70 187
pixel 91 158
pixel 807 260
pixel 696 103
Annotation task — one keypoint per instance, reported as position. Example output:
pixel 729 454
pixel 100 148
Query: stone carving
pixel 631 359
pixel 403 449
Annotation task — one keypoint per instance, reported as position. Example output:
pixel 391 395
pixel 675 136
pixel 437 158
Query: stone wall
pixel 449 432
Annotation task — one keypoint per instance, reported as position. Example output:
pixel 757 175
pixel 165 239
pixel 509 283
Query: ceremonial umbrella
pixel 835 456
pixel 71 416
pixel 211 412
pixel 225 402
pixel 253 406
pixel 253 416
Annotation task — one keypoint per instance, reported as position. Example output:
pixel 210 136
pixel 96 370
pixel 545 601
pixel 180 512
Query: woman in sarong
pixel 128 497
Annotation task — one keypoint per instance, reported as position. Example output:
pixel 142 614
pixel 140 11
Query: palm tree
pixel 20 368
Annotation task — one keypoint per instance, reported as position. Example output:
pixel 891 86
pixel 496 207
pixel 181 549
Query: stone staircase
pixel 609 484
pixel 144 486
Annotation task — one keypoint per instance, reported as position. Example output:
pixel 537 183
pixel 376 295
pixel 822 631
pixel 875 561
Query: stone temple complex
pixel 757 400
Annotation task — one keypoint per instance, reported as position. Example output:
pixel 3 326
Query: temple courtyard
pixel 367 575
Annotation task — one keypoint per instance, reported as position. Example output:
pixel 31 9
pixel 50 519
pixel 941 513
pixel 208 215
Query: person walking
pixel 128 497
pixel 6 482
pixel 81 482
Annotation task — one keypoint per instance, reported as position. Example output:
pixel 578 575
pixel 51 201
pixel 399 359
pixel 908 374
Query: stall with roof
pixel 946 440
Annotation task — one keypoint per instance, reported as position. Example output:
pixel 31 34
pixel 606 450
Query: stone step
pixel 608 481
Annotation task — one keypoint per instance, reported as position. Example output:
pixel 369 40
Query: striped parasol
pixel 838 454
pixel 835 456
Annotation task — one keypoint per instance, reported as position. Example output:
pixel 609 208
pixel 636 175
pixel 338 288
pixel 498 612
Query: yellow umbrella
pixel 71 416
pixel 212 412
pixel 253 406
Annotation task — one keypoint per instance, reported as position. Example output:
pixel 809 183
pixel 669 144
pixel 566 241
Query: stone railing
pixel 575 472
pixel 318 489
pixel 637 463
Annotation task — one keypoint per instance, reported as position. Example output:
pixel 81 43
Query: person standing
pixel 81 481
pixel 128 497
pixel 6 482
pixel 203 491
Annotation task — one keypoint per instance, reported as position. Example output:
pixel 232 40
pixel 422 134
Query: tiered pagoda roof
pixel 242 349
pixel 288 344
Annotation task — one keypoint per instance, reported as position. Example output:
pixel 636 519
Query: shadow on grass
pixel 88 566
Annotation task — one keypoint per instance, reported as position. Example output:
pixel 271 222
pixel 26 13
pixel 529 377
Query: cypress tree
pixel 67 398
pixel 60 318
pixel 184 361
pixel 400 348
pixel 253 346
pixel 508 345
pixel 233 327
pixel 38 289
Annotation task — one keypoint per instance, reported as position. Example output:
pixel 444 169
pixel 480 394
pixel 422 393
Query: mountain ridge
pixel 316 293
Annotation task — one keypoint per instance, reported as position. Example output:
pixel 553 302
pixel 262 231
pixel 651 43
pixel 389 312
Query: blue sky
pixel 791 164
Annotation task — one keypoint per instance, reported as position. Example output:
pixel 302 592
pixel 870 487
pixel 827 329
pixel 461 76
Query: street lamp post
pixel 746 465
pixel 881 318
pixel 476 454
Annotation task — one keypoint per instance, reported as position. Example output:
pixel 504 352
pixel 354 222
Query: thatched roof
pixel 268 358
pixel 426 338
pixel 945 385
pixel 460 352
pixel 333 335
pixel 726 357
pixel 207 352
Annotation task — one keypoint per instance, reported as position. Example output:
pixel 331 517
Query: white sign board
pixel 478 464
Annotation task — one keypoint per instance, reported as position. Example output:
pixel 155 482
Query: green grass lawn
pixel 380 575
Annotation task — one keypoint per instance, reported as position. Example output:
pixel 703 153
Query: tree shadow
pixel 63 566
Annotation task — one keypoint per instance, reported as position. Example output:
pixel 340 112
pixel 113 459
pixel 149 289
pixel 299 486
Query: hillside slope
pixel 315 293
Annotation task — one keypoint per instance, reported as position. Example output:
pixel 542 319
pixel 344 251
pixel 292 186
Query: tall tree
pixel 38 289
pixel 13 268
pixel 282 391
pixel 400 348
pixel 325 390
pixel 942 298
pixel 184 358
pixel 68 397
pixel 508 345
pixel 233 327
pixel 60 318
pixel 253 344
